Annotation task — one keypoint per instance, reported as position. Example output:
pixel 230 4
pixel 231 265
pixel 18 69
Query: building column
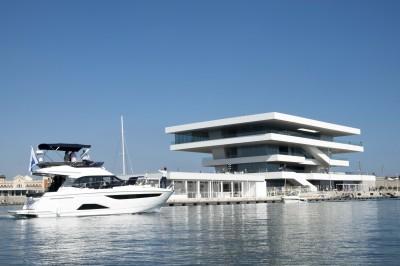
pixel 198 189
pixel 186 189
pixel 222 189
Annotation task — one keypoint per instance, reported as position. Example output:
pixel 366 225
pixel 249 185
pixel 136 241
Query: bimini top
pixel 62 147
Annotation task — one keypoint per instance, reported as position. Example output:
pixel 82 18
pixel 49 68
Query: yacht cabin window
pixel 95 182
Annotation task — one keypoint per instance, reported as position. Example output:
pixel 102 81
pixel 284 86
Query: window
pixel 226 187
pixel 283 150
pixel 95 182
pixel 191 137
pixel 179 187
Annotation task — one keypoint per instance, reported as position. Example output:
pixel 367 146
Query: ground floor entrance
pixel 214 189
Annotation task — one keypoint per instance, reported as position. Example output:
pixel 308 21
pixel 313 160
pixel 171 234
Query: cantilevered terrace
pixel 266 141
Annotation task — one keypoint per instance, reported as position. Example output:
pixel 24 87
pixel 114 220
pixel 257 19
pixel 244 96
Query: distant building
pixel 14 191
pixel 390 183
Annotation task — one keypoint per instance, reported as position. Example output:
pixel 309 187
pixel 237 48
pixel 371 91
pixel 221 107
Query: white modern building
pixel 271 149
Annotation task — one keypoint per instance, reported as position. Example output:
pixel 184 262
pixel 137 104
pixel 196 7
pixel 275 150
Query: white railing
pixel 205 195
pixel 279 191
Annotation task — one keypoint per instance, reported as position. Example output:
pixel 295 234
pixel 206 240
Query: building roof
pixel 273 119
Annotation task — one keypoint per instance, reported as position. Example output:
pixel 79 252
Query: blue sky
pixel 69 69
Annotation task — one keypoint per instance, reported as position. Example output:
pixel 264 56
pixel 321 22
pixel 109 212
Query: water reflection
pixel 339 233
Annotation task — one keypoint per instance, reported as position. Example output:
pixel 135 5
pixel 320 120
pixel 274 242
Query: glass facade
pixel 249 130
pixel 257 167
pixel 179 187
pixel 260 150
pixel 191 137
pixel 215 188
pixel 261 167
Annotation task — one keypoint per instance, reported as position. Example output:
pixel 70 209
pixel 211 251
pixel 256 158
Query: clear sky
pixel 69 69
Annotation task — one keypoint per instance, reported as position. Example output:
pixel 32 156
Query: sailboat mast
pixel 123 146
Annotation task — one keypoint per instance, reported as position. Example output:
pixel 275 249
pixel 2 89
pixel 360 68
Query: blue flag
pixel 33 160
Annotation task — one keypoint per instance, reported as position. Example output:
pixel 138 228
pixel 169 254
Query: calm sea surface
pixel 328 233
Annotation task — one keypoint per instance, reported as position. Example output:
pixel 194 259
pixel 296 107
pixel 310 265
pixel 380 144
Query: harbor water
pixel 323 233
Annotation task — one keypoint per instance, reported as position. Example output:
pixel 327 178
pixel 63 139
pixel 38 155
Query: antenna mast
pixel 123 146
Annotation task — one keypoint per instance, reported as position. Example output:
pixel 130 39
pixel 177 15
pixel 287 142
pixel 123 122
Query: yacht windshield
pixel 95 182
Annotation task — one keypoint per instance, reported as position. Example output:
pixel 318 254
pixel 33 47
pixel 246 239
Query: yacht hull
pixel 93 202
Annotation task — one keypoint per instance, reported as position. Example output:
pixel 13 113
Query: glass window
pixel 95 182
pixel 227 187
pixel 191 137
pixel 283 150
pixel 179 187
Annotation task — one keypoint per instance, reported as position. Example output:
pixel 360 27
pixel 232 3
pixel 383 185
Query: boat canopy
pixel 62 147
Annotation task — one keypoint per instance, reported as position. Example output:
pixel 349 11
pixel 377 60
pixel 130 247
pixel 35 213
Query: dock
pixel 329 196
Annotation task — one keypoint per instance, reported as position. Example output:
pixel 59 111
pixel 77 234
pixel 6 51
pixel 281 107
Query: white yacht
pixel 85 188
